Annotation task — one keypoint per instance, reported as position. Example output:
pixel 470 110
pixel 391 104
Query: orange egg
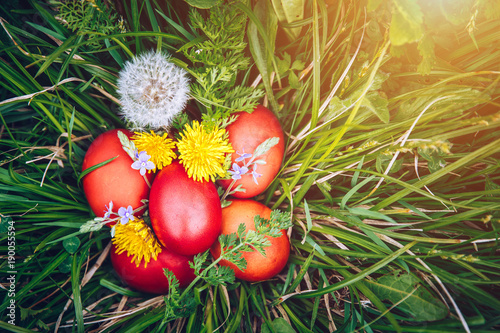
pixel 115 181
pixel 247 133
pixel 259 267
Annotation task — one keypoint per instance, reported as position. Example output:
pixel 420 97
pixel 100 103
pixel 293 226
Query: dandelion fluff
pixel 153 90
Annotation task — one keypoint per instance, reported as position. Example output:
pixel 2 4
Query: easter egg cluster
pixel 185 214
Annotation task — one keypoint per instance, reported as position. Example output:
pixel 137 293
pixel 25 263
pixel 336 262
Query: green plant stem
pixel 146 180
pixel 215 262
pixel 226 193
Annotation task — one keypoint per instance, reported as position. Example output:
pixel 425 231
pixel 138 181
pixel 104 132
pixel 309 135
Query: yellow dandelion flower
pixel 137 238
pixel 203 153
pixel 160 148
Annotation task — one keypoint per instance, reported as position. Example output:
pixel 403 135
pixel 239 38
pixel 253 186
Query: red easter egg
pixel 247 133
pixel 150 278
pixel 115 181
pixel 185 214
pixel 259 267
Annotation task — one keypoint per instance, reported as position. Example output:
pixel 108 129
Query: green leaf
pixel 314 245
pixel 265 146
pixel 196 264
pixel 92 225
pixel 298 65
pixel 382 162
pixel 65 266
pixel 377 104
pixel 293 80
pixel 459 99
pixel 118 289
pixel 127 144
pixel 289 11
pixel 426 49
pixel 280 325
pixel 353 191
pixel 71 244
pixel 293 9
pixel 410 10
pixel 278 10
pixel 261 33
pixel 97 166
pixel 356 174
pixel 373 4
pixel 406 23
pixel 302 272
pixel 77 300
pixel 13 328
pixel 55 55
pixel 47 270
pixel 28 312
pixel 223 275
pixel 457 12
pixel 337 106
pixel 64 237
pixel 5 222
pixel 436 164
pixel 202 4
pixel 419 304
pixel 373 31
pixel 414 209
pixel 47 31
pixel 490 185
pixel 434 161
pixel 490 8
pixel 241 230
pixel 284 64
pixel 360 211
pixel 308 216
pixel 114 53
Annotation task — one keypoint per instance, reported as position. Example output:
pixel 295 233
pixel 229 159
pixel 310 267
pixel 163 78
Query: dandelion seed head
pixel 152 90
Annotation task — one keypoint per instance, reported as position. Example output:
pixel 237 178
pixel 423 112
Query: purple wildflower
pixel 143 163
pixel 109 210
pixel 243 156
pixel 127 214
pixel 255 175
pixel 237 171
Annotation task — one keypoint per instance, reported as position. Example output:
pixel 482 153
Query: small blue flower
pixel 143 163
pixel 243 156
pixel 109 210
pixel 255 175
pixel 237 171
pixel 127 214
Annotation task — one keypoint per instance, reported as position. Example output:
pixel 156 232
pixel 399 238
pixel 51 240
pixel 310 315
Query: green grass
pixel 390 174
